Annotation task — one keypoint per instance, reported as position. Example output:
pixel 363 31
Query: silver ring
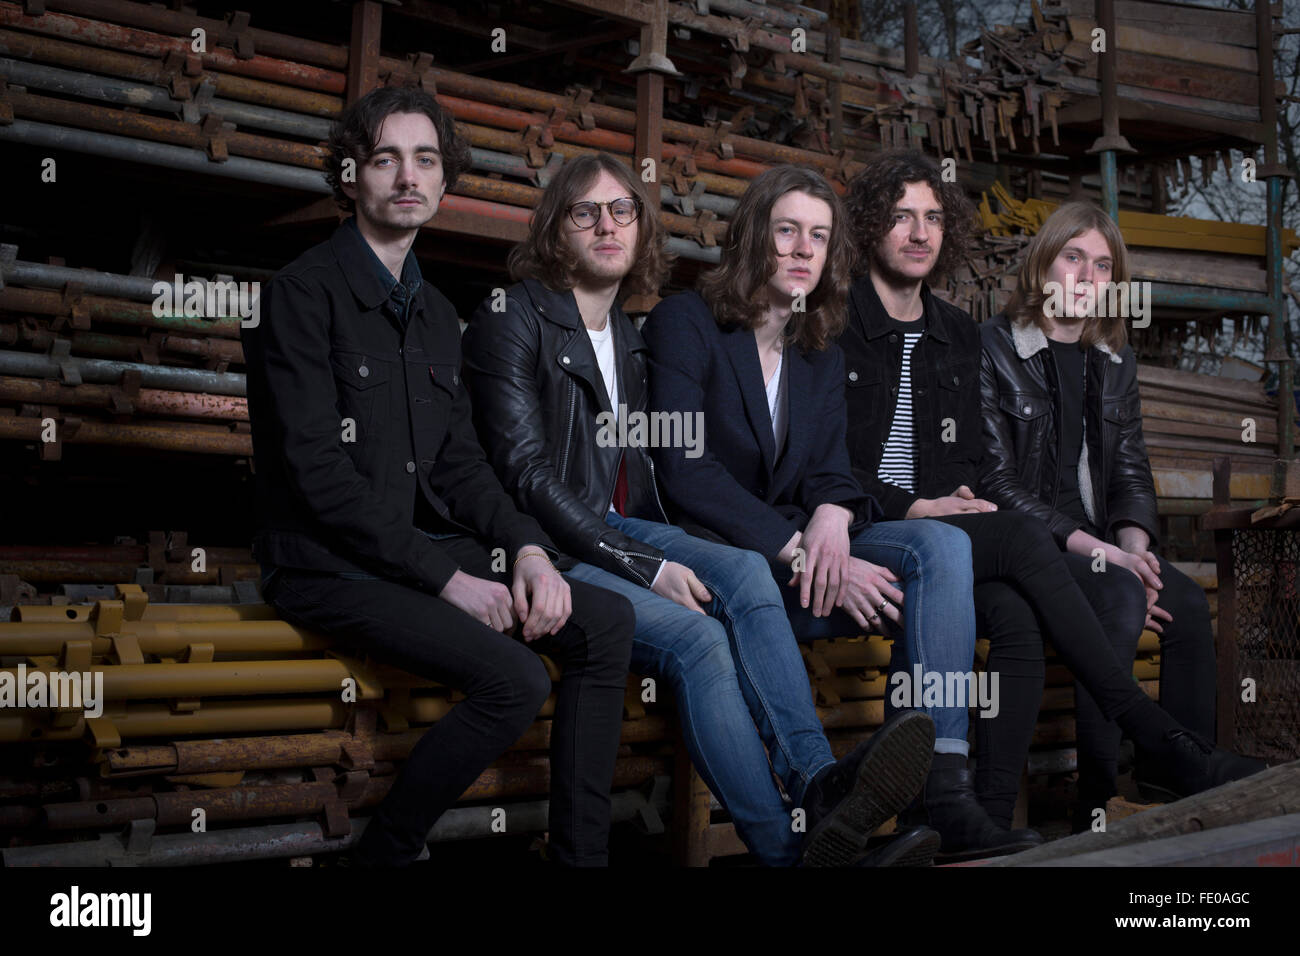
pixel 882 605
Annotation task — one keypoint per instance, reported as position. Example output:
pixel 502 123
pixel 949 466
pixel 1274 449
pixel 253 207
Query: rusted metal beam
pixel 363 50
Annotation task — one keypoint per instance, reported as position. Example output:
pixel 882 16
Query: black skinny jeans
pixel 1187 663
pixel 1026 590
pixel 505 684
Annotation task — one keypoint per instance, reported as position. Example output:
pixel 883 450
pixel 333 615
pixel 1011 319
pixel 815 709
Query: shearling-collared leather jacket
pixel 536 391
pixel 1019 386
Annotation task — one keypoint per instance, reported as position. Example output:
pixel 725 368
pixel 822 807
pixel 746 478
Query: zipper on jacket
pixel 568 438
pixel 626 558
pixel 655 485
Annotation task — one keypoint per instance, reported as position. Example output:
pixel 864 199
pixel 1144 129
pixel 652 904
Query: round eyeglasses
pixel 623 211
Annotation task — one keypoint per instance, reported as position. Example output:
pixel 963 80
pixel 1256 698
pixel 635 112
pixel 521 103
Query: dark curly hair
pixel 356 131
pixel 874 191
pixel 734 289
pixel 547 257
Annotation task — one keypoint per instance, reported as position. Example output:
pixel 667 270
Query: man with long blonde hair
pixel 1063 434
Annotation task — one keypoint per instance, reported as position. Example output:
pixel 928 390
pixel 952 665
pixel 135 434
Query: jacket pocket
pixel 1025 406
pixel 358 377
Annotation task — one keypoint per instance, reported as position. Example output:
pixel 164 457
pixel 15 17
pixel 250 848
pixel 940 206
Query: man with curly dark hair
pixel 383 526
pixel 912 376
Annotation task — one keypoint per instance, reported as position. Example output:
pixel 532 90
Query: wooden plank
pixel 1248 392
pixel 1157 394
pixel 1232 119
pixel 1197 482
pixel 1228 434
pixel 1226 26
pixel 1210 446
pixel 1178 76
pixel 1273 792
pixel 1193 267
pixel 1159 414
pixel 1205 52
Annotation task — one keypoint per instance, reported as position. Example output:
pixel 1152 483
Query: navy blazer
pixel 737 488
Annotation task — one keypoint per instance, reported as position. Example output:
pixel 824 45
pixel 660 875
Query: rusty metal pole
pixel 650 67
pixel 363 51
pixel 1110 142
pixel 1273 173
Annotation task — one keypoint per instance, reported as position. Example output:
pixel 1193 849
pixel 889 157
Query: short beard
pixel 894 277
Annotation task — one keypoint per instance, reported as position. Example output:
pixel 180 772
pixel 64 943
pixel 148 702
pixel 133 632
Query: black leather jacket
pixel 1022 410
pixel 536 391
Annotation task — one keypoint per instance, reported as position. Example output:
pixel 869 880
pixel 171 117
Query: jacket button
pixel 565 360
pixel 893 336
pixel 853 376
pixel 410 466
pixel 455 379
pixel 1027 409
pixel 363 371
pixel 956 379
pixel 920 391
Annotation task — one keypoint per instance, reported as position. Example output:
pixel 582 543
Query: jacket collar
pixel 1029 340
pixel 865 303
pixel 562 308
pixel 366 276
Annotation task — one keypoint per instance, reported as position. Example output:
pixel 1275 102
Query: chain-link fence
pixel 1267 714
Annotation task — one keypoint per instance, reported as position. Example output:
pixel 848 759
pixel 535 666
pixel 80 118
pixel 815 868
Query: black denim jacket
pixel 945 396
pixel 353 416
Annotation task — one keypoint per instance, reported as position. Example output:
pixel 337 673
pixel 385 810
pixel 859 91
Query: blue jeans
pixel 933 563
pixel 738 679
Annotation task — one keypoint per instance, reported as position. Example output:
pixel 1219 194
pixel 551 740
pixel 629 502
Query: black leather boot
pixel 1189 764
pixel 948 804
pixel 849 800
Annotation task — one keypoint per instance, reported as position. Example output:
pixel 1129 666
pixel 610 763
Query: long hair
pixel 1069 221
pixel 736 289
pixel 355 132
pixel 877 188
pixel 546 256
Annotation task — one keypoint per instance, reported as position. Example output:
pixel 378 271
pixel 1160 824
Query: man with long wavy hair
pixel 558 375
pixel 754 352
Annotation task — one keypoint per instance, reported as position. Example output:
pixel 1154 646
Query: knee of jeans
pixel 1126 598
pixel 755 574
pixel 1007 621
pixel 523 687
pixel 704 649
pixel 941 546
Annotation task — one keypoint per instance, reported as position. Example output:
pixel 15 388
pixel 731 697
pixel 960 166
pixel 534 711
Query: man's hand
pixel 1154 612
pixel 543 600
pixel 825 543
pixel 678 583
pixel 961 501
pixel 1143 565
pixel 481 599
pixel 866 587
pixel 1133 539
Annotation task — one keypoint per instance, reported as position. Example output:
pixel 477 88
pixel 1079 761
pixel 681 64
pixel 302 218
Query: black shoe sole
pixel 915 847
pixel 892 771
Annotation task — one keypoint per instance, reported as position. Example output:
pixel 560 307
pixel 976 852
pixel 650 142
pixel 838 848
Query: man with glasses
pixel 557 373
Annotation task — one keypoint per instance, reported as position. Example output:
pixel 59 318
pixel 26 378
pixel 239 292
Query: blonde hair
pixel 1069 221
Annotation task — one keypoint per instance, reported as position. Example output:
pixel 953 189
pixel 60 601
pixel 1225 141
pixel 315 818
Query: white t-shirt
pixel 776 408
pixel 603 344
